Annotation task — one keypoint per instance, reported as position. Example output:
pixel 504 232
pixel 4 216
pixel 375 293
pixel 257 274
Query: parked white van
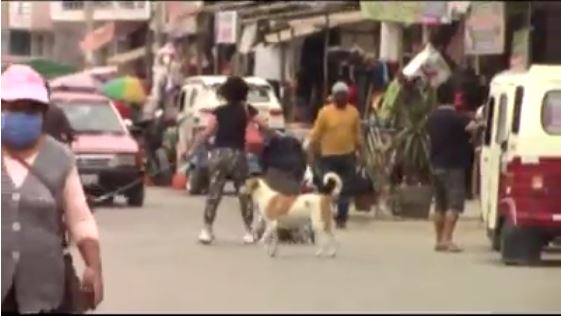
pixel 198 99
pixel 521 163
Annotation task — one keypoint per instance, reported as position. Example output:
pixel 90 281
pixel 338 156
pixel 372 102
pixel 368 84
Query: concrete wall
pixel 364 34
pixel 67 37
pixel 5 27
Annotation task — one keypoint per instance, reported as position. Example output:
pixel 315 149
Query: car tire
pixel 519 246
pixel 197 181
pixel 136 196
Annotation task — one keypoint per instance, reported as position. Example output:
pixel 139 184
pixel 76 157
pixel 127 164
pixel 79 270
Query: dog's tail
pixel 333 184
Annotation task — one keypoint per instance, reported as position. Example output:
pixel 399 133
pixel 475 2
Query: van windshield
pixel 256 94
pixel 92 117
pixel 551 112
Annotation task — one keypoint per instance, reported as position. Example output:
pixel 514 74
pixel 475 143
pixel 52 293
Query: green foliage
pixel 411 144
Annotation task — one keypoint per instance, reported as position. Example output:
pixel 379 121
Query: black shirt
pixel 56 124
pixel 449 140
pixel 232 121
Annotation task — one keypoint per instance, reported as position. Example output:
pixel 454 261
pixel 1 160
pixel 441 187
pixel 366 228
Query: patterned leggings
pixel 224 163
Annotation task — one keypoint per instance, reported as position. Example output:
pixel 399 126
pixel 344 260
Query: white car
pixel 198 99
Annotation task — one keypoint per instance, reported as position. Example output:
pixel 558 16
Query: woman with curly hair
pixel 228 158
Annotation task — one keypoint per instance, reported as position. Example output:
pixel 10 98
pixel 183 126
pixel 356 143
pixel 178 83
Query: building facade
pixel 27 29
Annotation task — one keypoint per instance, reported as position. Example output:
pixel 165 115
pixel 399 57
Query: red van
pixel 521 163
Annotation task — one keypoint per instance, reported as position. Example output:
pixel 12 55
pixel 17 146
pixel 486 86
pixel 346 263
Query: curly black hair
pixel 235 89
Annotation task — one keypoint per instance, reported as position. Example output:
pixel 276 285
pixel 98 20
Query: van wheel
pixel 495 236
pixel 519 246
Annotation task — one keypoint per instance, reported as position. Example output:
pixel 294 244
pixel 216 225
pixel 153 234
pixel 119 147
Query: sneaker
pixel 206 236
pixel 248 238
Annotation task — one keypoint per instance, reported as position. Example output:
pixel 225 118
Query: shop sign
pixel 226 26
pixel 485 28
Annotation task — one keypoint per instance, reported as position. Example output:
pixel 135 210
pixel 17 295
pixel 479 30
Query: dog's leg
pixel 333 245
pixel 259 228
pixel 270 238
pixel 319 234
pixel 267 234
pixel 321 241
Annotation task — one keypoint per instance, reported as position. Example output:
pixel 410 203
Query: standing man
pixel 337 132
pixel 449 155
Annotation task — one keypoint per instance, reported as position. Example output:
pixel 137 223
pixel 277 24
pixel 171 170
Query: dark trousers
pixel 468 173
pixel 224 163
pixel 344 166
pixel 10 303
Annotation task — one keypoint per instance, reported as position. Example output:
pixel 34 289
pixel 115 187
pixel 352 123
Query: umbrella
pixel 127 89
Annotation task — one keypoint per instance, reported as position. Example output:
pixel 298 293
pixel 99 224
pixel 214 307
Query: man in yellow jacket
pixel 338 137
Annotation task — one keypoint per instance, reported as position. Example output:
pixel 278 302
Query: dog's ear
pixel 254 184
pixel 251 185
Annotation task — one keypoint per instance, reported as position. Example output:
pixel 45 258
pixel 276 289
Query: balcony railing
pixel 79 5
pixel 103 10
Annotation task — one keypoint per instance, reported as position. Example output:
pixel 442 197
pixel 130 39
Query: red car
pixel 108 157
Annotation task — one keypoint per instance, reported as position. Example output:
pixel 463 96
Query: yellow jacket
pixel 337 131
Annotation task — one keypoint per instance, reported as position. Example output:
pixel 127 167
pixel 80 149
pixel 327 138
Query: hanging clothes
pixel 267 62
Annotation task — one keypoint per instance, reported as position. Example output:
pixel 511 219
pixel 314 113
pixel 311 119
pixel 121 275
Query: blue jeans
pixel 344 166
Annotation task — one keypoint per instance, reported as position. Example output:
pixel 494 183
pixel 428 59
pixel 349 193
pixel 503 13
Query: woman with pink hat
pixel 42 200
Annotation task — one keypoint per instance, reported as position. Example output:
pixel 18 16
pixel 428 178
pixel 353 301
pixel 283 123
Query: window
pixel 518 97
pixel 126 4
pixel 501 120
pixel 182 100
pixel 39 46
pixel 258 94
pixel 193 97
pixel 72 5
pixel 489 113
pixel 92 117
pixel 20 43
pixel 103 4
pixel 551 112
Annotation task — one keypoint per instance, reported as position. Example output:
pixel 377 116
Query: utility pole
pixel 159 23
pixel 89 19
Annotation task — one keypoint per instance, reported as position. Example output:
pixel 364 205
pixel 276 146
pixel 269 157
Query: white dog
pixel 297 209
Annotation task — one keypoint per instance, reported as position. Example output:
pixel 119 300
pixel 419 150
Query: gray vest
pixel 32 252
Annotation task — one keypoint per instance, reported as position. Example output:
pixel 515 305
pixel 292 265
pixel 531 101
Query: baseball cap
pixel 21 82
pixel 340 87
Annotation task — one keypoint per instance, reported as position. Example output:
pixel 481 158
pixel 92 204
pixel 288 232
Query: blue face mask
pixel 21 130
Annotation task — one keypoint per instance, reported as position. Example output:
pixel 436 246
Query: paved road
pixel 153 264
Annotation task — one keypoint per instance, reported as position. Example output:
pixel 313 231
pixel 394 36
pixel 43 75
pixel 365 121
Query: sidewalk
pixel 471 213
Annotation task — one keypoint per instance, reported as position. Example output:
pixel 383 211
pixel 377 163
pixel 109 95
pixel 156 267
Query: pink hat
pixel 21 82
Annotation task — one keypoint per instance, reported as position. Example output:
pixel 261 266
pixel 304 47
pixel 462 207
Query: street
pixel 152 263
